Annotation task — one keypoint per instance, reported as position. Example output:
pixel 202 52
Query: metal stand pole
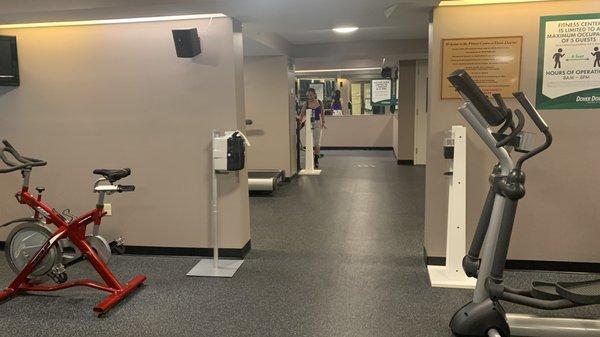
pixel 215 206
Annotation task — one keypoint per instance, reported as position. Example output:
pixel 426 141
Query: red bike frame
pixel 75 232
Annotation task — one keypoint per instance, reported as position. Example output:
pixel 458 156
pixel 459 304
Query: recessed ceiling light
pixel 345 30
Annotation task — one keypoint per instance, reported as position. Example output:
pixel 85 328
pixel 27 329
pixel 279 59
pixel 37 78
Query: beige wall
pixel 406 110
pixel 358 131
pixel 558 219
pixel 268 105
pixel 117 96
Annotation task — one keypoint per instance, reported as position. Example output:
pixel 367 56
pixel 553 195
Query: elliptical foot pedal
pixel 545 291
pixel 585 292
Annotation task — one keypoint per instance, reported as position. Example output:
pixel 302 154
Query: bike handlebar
pixel 26 162
pixel 126 188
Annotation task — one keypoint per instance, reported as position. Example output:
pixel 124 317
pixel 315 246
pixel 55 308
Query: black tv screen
pixel 9 61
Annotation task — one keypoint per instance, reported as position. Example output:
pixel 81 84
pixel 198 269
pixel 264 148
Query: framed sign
pixel 493 62
pixel 381 91
pixel 569 62
pixel 319 89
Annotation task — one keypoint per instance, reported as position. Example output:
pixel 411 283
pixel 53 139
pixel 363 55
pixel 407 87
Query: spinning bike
pixel 36 253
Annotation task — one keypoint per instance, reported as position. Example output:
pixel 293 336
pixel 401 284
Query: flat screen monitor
pixel 9 61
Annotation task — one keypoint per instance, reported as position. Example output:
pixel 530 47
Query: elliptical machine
pixel 484 315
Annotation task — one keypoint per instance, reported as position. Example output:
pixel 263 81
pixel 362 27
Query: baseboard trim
pixel 560 266
pixel 365 148
pixel 238 253
pixel 406 162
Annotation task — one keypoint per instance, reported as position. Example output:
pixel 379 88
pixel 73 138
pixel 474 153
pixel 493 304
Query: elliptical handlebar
pixel 515 129
pixel 539 122
pixel 531 111
pixel 25 162
pixel 500 101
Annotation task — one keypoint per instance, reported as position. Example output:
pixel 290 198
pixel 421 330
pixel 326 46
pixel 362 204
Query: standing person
pixel 317 120
pixel 557 56
pixel 597 54
pixel 336 106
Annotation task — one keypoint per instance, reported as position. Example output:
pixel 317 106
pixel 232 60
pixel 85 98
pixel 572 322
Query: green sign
pixel 569 62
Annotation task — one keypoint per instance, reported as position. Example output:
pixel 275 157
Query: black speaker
pixel 386 72
pixel 187 42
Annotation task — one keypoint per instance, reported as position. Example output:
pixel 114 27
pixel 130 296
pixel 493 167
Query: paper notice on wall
pixel 569 62
pixel 319 89
pixel 381 90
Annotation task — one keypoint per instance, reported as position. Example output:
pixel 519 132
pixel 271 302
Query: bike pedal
pixel 118 246
pixel 58 274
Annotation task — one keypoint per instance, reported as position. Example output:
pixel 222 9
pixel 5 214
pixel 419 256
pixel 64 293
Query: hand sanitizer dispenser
pixel 229 151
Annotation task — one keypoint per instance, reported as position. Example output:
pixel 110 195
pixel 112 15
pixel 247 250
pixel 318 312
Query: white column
pixel 309 158
pixel 452 275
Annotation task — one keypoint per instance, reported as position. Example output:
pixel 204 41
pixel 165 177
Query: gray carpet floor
pixel 335 255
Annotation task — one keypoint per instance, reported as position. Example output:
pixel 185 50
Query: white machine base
pixel 438 275
pixel 309 172
pixel 205 267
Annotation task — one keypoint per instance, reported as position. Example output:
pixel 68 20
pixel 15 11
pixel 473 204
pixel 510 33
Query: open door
pixel 421 113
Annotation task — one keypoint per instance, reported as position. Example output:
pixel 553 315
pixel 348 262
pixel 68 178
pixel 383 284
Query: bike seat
pixel 113 175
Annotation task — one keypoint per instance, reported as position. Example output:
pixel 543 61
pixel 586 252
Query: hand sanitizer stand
pixel 216 267
pixel 309 159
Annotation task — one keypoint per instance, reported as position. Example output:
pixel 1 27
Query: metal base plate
pixel 534 326
pixel 309 172
pixel 206 268
pixel 438 275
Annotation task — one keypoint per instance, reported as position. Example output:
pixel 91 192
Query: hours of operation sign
pixel 493 62
pixel 569 62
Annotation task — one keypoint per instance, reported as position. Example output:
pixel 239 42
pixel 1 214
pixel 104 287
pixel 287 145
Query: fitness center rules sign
pixel 569 62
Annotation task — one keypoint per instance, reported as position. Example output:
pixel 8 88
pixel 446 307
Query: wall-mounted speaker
pixel 386 72
pixel 187 42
